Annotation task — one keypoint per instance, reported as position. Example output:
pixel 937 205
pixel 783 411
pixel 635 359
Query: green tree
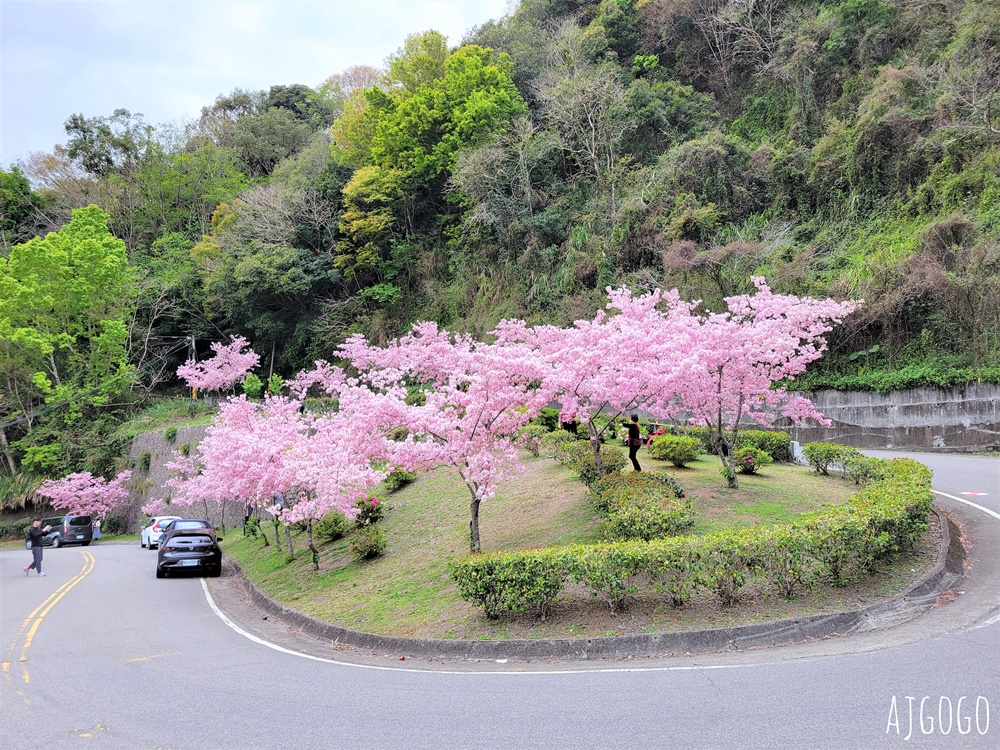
pixel 416 135
pixel 22 210
pixel 64 307
pixel 266 265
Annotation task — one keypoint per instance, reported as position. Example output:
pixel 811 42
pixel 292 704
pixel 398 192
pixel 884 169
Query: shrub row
pixel 884 381
pixel 579 456
pixel 835 546
pixel 775 443
pixel 680 450
pixel 849 460
pixel 556 445
pixel 398 478
pixel 641 505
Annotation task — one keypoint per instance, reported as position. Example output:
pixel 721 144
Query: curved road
pixel 99 654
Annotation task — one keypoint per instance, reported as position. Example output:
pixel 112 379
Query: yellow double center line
pixel 30 626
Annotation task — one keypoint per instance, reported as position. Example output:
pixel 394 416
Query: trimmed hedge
pixel 581 460
pixel 678 450
pixel 749 460
pixel 641 505
pixel 557 445
pixel 502 582
pixel 775 443
pixel 822 456
pixel 836 545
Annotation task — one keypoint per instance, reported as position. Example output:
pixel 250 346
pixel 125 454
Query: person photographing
pixel 35 535
pixel 634 441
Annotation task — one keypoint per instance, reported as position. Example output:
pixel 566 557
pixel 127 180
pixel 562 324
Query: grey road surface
pixel 100 654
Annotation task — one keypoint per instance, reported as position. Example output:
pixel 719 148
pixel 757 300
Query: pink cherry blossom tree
pixel 476 398
pixel 155 507
pixel 295 465
pixel 741 355
pixel 85 494
pixel 629 357
pixel 224 370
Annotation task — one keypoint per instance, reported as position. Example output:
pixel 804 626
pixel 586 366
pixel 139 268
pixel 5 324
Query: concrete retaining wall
pixel 960 418
pixel 151 484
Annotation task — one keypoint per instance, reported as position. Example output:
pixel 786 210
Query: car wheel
pixel 56 542
pixel 27 544
pixel 86 544
pixel 216 571
pixel 142 543
pixel 160 572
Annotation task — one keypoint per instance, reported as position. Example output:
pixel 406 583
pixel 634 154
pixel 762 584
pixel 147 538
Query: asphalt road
pixel 100 654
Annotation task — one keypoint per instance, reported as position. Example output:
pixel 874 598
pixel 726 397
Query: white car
pixel 150 535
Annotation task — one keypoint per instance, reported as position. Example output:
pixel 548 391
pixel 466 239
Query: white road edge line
pixel 222 616
pixel 276 647
pixel 996 618
pixel 977 506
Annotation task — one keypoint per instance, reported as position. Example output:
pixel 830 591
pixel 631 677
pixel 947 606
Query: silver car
pixel 149 537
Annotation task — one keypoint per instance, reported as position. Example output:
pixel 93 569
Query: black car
pixel 189 545
pixel 186 523
pixel 66 530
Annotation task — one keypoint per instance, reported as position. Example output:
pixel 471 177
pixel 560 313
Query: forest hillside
pixel 838 148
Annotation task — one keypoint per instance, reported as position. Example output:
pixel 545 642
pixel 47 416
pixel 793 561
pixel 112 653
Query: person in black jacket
pixel 634 441
pixel 35 535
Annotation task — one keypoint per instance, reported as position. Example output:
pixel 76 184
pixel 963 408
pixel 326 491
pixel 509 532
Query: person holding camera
pixel 634 441
pixel 35 535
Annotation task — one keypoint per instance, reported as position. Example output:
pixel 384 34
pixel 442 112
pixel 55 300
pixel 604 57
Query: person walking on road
pixel 634 441
pixel 35 535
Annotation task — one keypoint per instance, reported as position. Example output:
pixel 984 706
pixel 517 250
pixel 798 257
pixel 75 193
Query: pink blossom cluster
pixel 84 494
pixel 651 351
pixel 224 370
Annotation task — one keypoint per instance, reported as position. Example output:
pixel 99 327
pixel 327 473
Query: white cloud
pixel 168 58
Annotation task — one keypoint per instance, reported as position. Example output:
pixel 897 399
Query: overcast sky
pixel 169 58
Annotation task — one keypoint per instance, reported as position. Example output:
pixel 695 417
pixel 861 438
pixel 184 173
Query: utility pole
pixel 192 357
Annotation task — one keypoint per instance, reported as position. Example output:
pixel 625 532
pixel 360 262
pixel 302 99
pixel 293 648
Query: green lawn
pixel 408 591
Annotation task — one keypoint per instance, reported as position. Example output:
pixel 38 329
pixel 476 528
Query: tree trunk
pixel 473 488
pixel 277 539
pixel 474 547
pixel 726 454
pixel 312 547
pixel 6 451
pixel 288 538
pixel 595 445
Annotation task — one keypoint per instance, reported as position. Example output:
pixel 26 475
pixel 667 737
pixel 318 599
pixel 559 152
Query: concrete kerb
pixel 946 574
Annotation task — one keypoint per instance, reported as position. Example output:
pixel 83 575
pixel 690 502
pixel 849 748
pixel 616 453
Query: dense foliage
pixel 834 546
pixel 844 148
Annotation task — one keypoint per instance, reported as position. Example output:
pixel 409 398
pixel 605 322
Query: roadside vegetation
pixel 846 149
pixel 409 591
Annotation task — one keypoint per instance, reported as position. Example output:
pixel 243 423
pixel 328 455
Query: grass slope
pixel 408 591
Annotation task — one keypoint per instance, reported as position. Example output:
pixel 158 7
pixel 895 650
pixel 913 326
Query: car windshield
pixel 190 525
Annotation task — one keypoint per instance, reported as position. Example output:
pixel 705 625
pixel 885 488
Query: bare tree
pixel 505 179
pixel 586 104
pixel 968 90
